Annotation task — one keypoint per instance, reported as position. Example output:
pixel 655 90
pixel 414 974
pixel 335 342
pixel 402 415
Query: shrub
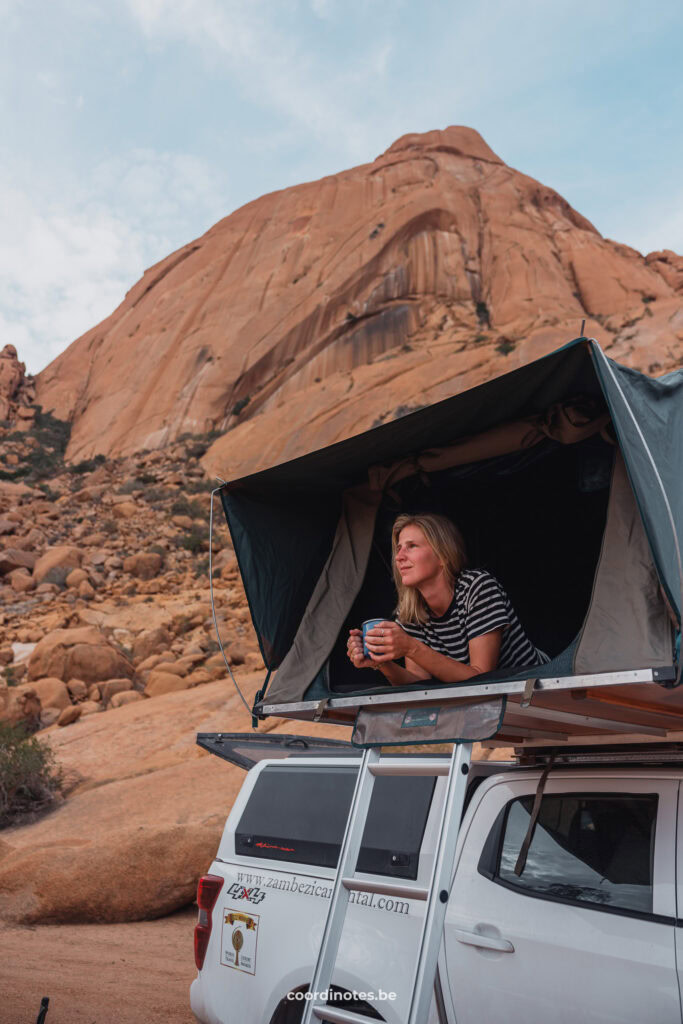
pixel 87 465
pixel 29 779
pixel 483 315
pixel 196 450
pixel 131 485
pixel 48 492
pixel 158 496
pixel 242 403
pixel 505 346
pixel 182 506
pixel 50 432
pixel 198 487
pixel 11 677
pixel 195 540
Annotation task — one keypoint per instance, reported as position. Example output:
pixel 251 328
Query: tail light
pixel 207 893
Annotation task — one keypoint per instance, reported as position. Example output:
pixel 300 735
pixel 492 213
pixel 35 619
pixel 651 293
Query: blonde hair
pixel 446 541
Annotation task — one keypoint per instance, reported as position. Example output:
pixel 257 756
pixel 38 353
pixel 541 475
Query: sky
pixel 129 127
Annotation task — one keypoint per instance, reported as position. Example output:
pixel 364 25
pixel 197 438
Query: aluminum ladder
pixel 436 896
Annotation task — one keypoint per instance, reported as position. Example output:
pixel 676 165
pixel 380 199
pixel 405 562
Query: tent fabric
pixel 626 588
pixel 303 529
pixel 649 412
pixel 334 592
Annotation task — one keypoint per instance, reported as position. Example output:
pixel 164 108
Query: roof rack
pixel 616 754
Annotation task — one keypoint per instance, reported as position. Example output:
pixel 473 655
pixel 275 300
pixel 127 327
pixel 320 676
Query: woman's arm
pixel 388 641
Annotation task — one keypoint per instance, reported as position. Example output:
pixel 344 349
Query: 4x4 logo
pixel 240 892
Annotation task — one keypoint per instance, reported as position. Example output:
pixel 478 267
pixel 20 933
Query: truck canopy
pixel 564 477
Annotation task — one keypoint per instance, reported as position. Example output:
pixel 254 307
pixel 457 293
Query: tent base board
pixel 600 708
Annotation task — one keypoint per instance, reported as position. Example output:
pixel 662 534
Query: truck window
pixel 298 813
pixel 595 849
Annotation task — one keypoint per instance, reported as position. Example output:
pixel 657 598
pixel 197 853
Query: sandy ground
pixel 137 973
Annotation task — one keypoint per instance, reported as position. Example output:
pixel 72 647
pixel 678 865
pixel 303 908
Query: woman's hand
pixel 387 642
pixel 354 649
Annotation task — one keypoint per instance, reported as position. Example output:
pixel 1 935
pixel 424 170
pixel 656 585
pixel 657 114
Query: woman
pixel 452 623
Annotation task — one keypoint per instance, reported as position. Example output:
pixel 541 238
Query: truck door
pixel 586 932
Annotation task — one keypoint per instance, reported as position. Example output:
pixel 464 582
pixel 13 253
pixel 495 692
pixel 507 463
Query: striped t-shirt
pixel 479 606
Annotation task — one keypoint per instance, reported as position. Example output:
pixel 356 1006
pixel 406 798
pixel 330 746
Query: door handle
pixel 483 941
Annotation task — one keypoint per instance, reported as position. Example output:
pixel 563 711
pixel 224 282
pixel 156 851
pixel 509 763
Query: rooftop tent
pixel 564 477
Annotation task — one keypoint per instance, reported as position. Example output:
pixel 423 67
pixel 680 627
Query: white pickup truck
pixel 590 931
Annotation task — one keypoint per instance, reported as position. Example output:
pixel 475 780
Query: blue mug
pixel 367 625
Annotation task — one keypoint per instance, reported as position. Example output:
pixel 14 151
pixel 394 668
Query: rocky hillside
pixel 104 588
pixel 343 302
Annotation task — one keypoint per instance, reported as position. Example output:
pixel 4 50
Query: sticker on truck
pixel 306 886
pixel 239 940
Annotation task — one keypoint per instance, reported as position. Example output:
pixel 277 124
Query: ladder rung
pixel 335 1016
pixel 411 892
pixel 406 768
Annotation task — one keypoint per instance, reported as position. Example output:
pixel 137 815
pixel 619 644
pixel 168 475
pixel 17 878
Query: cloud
pixel 66 262
pixel 278 65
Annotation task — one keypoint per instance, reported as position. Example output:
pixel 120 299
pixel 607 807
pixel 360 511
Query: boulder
pixel 144 565
pixel 77 689
pixel 112 686
pixel 167 664
pixel 229 568
pixel 33 539
pixel 14 558
pixel 90 707
pixel 199 676
pixel 86 590
pixel 125 510
pixel 20 704
pixel 53 692
pixel 151 641
pixel 76 577
pixel 61 556
pixel 254 662
pixel 236 654
pixel 119 700
pixel 144 666
pixel 7 525
pixel 183 522
pixel 89 861
pixel 19 701
pixel 47 589
pixel 160 682
pixel 21 581
pixel 70 714
pixel 80 653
